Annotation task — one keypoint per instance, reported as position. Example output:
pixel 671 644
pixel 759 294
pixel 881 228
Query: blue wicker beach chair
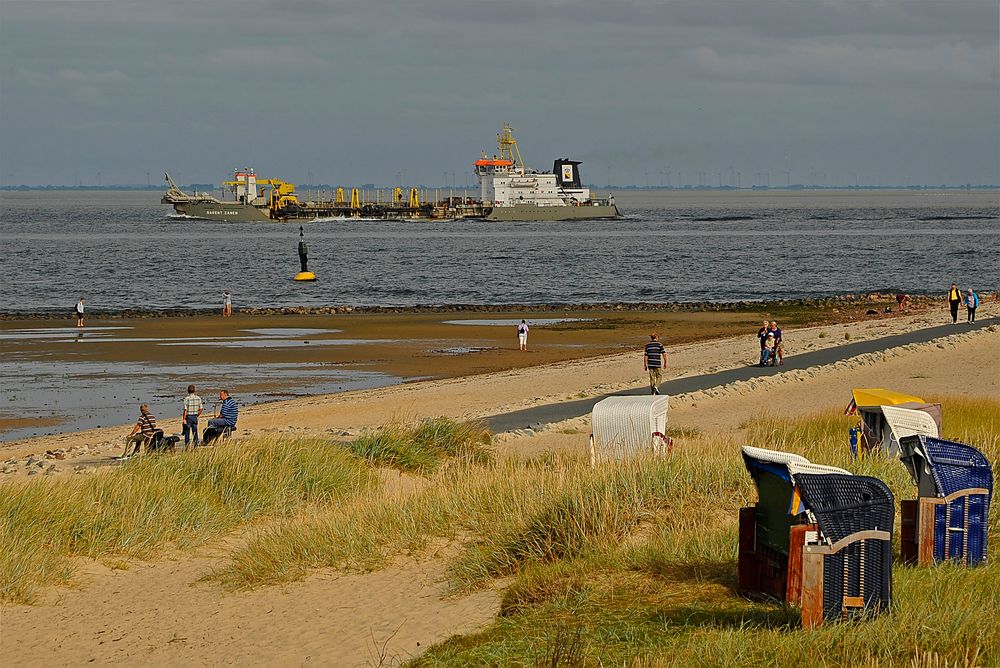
pixel 847 564
pixel 948 520
pixel 772 531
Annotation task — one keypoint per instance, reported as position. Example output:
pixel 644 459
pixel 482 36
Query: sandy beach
pixel 161 613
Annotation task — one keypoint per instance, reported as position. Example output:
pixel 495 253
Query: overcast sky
pixel 889 91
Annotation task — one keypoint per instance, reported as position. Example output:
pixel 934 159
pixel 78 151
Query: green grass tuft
pixel 422 448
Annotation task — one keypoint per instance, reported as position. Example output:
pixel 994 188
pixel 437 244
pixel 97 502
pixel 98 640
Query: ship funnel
pixel 567 173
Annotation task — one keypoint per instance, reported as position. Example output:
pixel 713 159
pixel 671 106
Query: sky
pixel 832 92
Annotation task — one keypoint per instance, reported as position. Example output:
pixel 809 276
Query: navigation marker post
pixel 305 274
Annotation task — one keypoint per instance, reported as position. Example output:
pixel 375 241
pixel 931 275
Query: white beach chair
pixel 904 422
pixel 624 427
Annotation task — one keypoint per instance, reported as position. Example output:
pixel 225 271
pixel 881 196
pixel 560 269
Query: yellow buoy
pixel 305 276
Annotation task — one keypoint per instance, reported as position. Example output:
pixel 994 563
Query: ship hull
pixel 229 212
pixel 529 213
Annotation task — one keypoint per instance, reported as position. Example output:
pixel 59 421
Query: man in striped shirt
pixel 189 418
pixel 141 433
pixel 654 358
pixel 228 412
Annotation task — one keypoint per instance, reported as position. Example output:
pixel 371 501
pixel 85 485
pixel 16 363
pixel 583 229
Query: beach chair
pixel 948 519
pixel 772 532
pixel 627 427
pixel 847 561
pixel 886 416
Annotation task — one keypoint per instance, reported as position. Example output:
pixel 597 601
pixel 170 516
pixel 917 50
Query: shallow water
pixel 123 250
pixel 96 394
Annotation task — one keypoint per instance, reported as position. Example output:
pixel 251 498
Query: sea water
pixel 124 250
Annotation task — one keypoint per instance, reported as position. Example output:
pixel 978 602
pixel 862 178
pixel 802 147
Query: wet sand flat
pixel 57 378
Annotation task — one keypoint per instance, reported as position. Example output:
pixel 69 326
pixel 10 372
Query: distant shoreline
pixel 794 187
pixel 916 300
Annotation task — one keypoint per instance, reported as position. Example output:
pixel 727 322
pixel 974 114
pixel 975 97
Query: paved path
pixel 571 409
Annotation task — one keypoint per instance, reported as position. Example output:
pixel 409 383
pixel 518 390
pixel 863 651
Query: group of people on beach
pixel 771 351
pixel 956 298
pixel 145 432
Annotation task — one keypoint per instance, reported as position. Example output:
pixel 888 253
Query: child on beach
pixel 227 304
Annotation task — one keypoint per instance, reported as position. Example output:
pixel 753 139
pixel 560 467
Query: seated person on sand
pixel 143 432
pixel 226 419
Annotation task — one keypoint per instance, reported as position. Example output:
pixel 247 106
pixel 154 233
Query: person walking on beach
pixel 654 358
pixel 762 335
pixel 79 313
pixel 193 406
pixel 971 303
pixel 227 304
pixel 778 358
pixel 522 335
pixel 954 299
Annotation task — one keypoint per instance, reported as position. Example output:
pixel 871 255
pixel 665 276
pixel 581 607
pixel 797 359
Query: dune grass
pixel 157 501
pixel 665 594
pixel 423 447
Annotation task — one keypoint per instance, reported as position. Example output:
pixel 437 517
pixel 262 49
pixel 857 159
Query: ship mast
pixel 508 146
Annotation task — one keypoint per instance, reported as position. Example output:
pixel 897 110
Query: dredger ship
pixel 508 191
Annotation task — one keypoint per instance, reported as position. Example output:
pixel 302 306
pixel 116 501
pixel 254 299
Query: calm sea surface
pixel 125 250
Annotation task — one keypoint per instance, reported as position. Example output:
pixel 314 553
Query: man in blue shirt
pixel 654 359
pixel 228 412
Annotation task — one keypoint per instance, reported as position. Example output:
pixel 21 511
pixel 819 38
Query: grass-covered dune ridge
pixel 158 501
pixel 666 596
pixel 150 503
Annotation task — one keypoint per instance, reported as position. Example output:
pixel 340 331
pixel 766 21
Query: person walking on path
pixel 522 335
pixel 971 303
pixel 654 358
pixel 227 304
pixel 778 358
pixel 79 313
pixel 193 406
pixel 762 335
pixel 954 299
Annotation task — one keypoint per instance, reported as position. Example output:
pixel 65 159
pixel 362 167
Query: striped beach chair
pixel 627 427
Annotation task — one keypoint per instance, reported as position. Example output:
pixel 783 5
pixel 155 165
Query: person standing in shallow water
pixel 954 299
pixel 227 304
pixel 522 335
pixel 654 358
pixel 79 313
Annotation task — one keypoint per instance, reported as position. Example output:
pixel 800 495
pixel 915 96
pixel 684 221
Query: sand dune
pixel 161 614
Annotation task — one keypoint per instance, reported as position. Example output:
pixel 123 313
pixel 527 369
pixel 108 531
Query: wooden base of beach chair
pixel 764 573
pixel 917 529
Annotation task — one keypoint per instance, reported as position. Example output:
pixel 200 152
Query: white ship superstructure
pixel 513 191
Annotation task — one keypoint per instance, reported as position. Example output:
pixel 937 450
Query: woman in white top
pixel 522 335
